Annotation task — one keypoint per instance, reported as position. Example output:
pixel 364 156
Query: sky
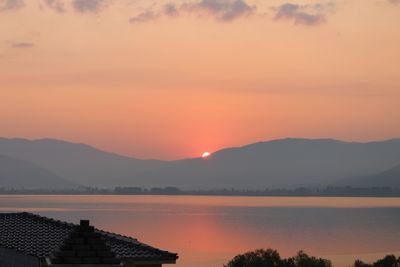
pixel 172 79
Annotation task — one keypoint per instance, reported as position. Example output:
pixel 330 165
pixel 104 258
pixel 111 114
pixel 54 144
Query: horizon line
pixel 199 157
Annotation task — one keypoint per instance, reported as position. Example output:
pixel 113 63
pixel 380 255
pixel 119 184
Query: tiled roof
pixel 84 246
pixel 12 258
pixel 40 236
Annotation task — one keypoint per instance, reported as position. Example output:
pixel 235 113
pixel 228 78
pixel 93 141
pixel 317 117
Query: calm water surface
pixel 208 231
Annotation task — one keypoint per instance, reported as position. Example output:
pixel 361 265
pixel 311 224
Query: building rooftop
pixel 13 258
pixel 42 237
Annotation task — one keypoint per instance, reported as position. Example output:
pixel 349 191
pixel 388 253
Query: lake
pixel 209 230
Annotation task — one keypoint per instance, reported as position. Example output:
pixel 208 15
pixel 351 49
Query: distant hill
pixel 287 163
pixel 15 173
pixel 388 178
pixel 79 163
pixel 279 163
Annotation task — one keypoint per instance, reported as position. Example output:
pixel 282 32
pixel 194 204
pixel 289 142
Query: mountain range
pixel 16 173
pixel 388 178
pixel 289 162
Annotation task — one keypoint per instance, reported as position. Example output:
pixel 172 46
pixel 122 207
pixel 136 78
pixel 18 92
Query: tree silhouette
pixel 303 260
pixel 271 258
pixel 387 261
pixel 359 263
pixel 257 258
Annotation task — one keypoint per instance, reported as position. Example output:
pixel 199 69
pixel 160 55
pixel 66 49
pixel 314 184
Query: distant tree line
pixel 271 258
pixel 301 191
pixel 169 190
pixel 74 191
pixel 331 191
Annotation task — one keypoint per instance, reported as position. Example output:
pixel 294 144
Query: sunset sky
pixel 172 79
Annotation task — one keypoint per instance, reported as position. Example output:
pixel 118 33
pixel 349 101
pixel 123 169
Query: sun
pixel 205 155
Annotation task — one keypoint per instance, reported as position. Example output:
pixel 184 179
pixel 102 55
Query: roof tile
pixel 40 236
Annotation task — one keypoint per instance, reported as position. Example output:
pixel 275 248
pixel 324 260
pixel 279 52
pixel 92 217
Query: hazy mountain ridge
pixel 16 173
pixel 77 162
pixel 291 161
pixel 388 178
pixel 277 163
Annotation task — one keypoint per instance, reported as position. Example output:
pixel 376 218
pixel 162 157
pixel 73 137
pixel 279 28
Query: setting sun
pixel 227 132
pixel 205 154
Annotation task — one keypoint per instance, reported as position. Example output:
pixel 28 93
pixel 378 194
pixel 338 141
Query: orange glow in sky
pixel 167 80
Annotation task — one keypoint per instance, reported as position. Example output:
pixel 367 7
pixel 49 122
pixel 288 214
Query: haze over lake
pixel 208 231
pixel 205 128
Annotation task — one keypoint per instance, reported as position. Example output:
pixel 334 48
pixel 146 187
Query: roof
pixel 13 258
pixel 40 236
pixel 84 246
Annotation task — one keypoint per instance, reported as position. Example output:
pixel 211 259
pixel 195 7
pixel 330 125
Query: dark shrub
pixel 359 263
pixel 257 258
pixel 303 260
pixel 271 258
pixel 387 261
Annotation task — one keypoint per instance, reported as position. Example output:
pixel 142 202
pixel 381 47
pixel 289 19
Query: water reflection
pixel 207 231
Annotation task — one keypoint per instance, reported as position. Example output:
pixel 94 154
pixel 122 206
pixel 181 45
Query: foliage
pixel 257 258
pixel 271 258
pixel 387 261
pixel 359 263
pixel 303 260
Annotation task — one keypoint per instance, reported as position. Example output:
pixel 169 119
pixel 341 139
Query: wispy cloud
pixel 310 15
pixel 171 10
pixel 57 5
pixel 87 6
pixel 22 45
pixel 396 2
pixel 144 17
pixel 223 10
pixel 11 4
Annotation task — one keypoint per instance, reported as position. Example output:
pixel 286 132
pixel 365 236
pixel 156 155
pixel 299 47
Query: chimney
pixel 84 223
pixel 84 247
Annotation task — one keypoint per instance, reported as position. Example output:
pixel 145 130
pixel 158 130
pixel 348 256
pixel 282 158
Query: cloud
pixel 395 2
pixel 87 5
pixel 310 15
pixel 144 17
pixel 22 45
pixel 11 4
pixel 57 5
pixel 171 10
pixel 223 10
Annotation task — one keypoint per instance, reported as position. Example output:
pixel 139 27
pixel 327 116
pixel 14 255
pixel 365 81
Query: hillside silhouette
pixel 278 163
pixel 16 173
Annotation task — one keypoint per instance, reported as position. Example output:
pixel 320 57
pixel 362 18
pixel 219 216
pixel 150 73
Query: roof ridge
pixel 122 240
pixel 116 236
pixel 130 240
pixel 52 220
